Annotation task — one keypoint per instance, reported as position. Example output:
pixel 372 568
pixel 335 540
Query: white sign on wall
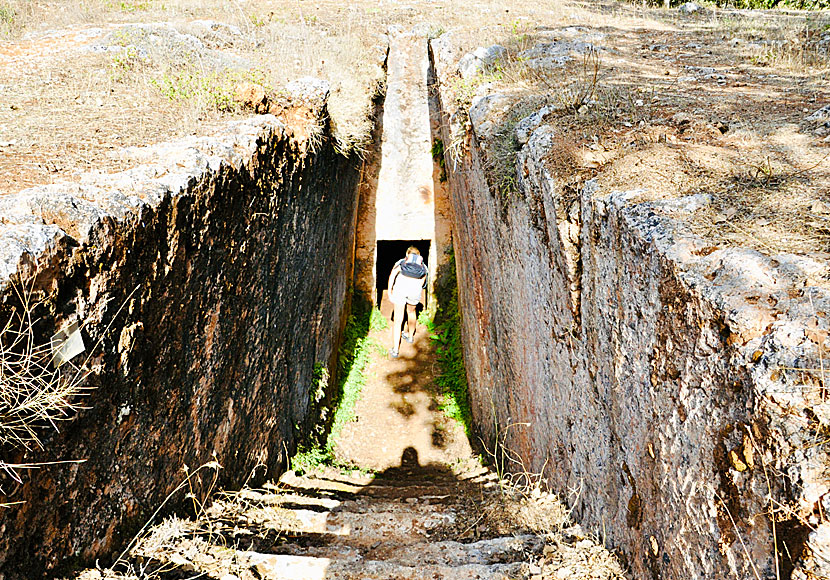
pixel 66 344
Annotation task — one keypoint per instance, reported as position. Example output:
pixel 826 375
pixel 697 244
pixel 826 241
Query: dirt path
pixel 398 409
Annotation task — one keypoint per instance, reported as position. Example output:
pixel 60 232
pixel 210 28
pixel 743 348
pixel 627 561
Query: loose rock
pixel 250 95
pixel 478 61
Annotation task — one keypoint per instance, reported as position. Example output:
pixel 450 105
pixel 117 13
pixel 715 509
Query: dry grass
pixel 789 40
pixel 144 556
pixel 220 524
pixel 569 552
pixel 713 104
pixel 524 505
pixel 71 111
pixel 32 390
pixel 39 388
pixel 34 393
pixel 766 173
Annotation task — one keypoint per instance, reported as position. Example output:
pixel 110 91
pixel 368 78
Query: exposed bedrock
pixel 210 281
pixel 653 377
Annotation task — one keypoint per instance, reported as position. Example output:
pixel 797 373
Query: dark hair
pixel 412 250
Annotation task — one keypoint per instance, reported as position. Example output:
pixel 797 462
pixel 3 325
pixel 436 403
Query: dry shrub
pixel 38 389
pixel 522 509
pixel 34 393
pixel 159 548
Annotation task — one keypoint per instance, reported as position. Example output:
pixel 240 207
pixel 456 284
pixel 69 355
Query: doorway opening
pixel 388 253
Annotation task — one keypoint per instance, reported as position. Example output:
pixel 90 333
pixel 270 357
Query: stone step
pixel 282 499
pixel 345 483
pixel 395 476
pixel 356 524
pixel 281 567
pixel 269 521
pixel 383 487
pixel 444 553
pixel 498 558
pixel 345 528
pixel 430 492
pixel 451 553
pixel 259 507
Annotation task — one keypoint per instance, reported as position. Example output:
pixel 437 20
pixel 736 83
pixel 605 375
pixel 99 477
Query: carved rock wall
pixel 662 385
pixel 209 281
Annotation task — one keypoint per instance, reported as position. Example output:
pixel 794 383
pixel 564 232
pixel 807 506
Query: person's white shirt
pixel 406 290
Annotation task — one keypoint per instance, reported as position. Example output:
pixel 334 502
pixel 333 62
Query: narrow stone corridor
pixel 401 494
pixel 624 206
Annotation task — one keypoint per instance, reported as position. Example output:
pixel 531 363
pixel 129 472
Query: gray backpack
pixel 413 266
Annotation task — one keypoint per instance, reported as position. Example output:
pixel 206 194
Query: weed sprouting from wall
pixel 316 397
pixel 565 90
pixel 501 162
pixel 34 392
pixel 583 89
pixel 438 157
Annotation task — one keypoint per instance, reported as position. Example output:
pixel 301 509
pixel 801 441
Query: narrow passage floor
pixel 399 410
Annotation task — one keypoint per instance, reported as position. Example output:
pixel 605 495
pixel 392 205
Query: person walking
pixel 407 288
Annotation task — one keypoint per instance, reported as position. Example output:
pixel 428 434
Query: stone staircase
pixel 417 523
pixel 427 511
pixel 406 527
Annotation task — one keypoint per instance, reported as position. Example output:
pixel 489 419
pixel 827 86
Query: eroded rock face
pixel 646 372
pixel 210 280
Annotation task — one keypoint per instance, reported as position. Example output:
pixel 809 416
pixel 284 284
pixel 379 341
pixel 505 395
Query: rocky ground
pixel 725 103
pixel 731 106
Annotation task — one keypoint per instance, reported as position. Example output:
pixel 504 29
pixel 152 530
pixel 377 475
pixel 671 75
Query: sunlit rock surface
pixel 209 280
pixel 670 387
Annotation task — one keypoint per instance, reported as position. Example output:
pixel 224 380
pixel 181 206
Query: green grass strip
pixel 351 386
pixel 445 332
pixel 353 359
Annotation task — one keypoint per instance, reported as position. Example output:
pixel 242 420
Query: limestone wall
pixel 209 281
pixel 652 377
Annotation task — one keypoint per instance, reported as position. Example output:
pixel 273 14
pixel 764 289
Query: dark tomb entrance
pixel 389 252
